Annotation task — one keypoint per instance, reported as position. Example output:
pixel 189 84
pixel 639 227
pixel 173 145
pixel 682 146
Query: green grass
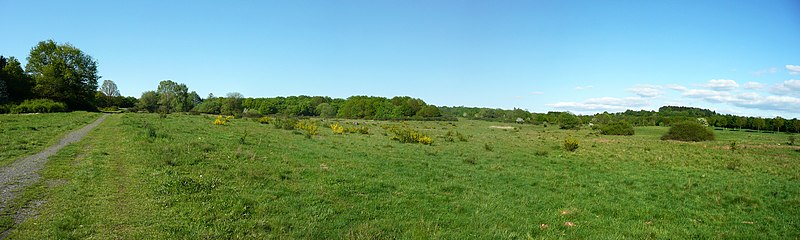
pixel 194 180
pixel 26 134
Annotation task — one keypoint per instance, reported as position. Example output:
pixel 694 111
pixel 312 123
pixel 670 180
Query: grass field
pixel 23 135
pixel 138 176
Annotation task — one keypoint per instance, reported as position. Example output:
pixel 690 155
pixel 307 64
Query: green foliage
pixel 148 102
pixel 488 147
pixel 407 135
pixel 571 144
pixel 569 121
pixel 18 85
pixel 791 140
pixel 39 106
pixel 284 123
pixel 689 131
pixel 63 73
pixel 617 128
pixel 732 146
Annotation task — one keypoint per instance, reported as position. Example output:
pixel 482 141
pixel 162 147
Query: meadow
pixel 139 176
pixel 26 134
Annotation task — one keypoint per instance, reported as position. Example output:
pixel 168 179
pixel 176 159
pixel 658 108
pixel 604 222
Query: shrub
pixel 221 120
pixel 571 144
pixel 264 120
pixel 689 131
pixel 310 127
pixel 337 129
pixel 405 135
pixel 791 140
pixel 284 123
pixel 617 128
pixel 451 136
pixel 361 129
pixel 39 106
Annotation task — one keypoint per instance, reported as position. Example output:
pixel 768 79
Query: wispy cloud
pixel 647 91
pixel 537 93
pixel 761 72
pixel 753 85
pixel 583 87
pixel 793 69
pixel 676 87
pixel 721 84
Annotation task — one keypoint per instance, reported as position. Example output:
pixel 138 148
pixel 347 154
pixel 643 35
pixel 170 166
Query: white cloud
pixel 583 87
pixel 793 69
pixel 754 85
pixel 647 91
pixel 676 87
pixel 788 87
pixel 537 93
pixel 775 103
pixel 602 104
pixel 722 84
pixel 771 70
pixel 792 84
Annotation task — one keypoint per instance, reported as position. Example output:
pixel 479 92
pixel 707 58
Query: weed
pixel 732 146
pixel 488 147
pixel 541 153
pixel 243 138
pixel 470 160
pixel 451 136
pixel 791 141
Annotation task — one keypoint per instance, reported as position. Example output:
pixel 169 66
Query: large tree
pixel 3 89
pixel 63 73
pixel 173 97
pixel 17 83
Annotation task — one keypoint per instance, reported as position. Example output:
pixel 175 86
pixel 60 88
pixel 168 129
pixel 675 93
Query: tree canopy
pixel 63 73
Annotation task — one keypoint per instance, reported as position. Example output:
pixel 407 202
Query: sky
pixel 733 57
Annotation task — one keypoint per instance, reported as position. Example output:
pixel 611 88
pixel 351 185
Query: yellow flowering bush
pixel 405 135
pixel 221 120
pixel 571 144
pixel 308 126
pixel 337 129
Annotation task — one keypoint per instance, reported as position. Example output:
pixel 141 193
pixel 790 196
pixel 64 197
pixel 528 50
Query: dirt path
pixel 24 172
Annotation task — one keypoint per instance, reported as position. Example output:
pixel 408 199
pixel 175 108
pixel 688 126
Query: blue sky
pixel 738 57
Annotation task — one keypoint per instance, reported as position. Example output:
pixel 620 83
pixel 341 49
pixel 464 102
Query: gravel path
pixel 23 172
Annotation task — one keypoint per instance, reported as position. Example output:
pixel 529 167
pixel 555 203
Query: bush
pixel 571 144
pixel 791 140
pixel 284 123
pixel 264 120
pixel 222 120
pixel 310 127
pixel 405 135
pixel 691 131
pixel 39 106
pixel 617 128
pixel 337 129
pixel 451 136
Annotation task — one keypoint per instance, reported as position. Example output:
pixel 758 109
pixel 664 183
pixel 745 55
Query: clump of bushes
pixel 308 126
pixel 284 123
pixel 689 132
pixel 221 120
pixel 405 135
pixel 264 120
pixel 617 128
pixel 39 106
pixel 571 144
pixel 791 140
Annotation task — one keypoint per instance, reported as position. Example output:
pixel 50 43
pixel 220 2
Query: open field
pixel 138 176
pixel 23 135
